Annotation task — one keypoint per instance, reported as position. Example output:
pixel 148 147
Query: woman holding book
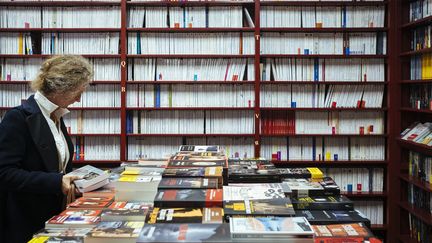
pixel 36 151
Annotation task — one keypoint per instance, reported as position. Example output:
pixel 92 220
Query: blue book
pixel 349 187
pixel 313 148
pixel 138 43
pixel 157 95
pixel 293 104
pixel 316 69
pixel 344 17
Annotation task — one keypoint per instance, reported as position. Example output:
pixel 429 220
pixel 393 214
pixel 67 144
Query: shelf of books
pixel 414 162
pixel 219 73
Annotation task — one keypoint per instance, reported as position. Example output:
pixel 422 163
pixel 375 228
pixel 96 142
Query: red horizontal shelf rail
pixel 323 3
pixel 322 56
pixel 46 55
pixel 95 134
pixel 27 82
pixel 190 30
pixel 190 82
pixel 420 22
pixel 59 29
pixel 421 214
pixel 59 3
pixel 97 162
pixel 416 52
pixel 424 111
pixel 323 135
pixel 94 108
pixel 340 29
pixel 203 56
pixel 191 135
pixel 427 150
pixel 364 194
pixel 417 81
pixel 330 163
pixel 190 3
pixel 417 182
pixel 188 108
pixel 320 109
pixel 324 82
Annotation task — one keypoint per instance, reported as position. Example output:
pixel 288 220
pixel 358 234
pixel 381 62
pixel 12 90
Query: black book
pixel 190 233
pixel 286 173
pixel 333 217
pixel 329 185
pixel 259 207
pixel 196 163
pixel 189 183
pixel 339 202
pixel 243 175
pixel 189 198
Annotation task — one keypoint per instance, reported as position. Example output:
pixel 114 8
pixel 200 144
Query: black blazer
pixel 30 182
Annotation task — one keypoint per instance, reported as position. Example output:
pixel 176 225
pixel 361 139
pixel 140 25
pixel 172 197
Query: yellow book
pixel 39 239
pixel 316 173
pixel 20 44
pixel 131 172
pixel 128 178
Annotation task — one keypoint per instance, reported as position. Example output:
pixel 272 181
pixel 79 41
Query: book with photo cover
pixel 189 198
pixel 240 193
pixel 130 205
pixel 196 163
pixel 304 187
pixel 57 239
pixel 305 173
pixel 91 178
pixel 269 227
pixel 238 174
pixel 316 217
pixel 189 183
pixel 123 214
pixel 186 215
pixel 329 185
pixel 276 186
pixel 115 231
pixel 75 232
pixel 342 230
pixel 262 207
pixel 198 156
pixel 72 220
pixel 190 233
pixel 91 202
pixel 339 202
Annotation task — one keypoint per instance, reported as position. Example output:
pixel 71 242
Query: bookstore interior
pixel 237 120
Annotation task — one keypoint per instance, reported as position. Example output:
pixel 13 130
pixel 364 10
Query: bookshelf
pixel 410 190
pixel 253 141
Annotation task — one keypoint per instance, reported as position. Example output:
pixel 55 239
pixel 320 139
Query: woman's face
pixel 64 100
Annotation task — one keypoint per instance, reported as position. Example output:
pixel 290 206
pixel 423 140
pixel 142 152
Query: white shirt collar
pixel 48 107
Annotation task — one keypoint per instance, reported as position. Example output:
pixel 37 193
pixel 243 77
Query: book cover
pixel 263 207
pixel 333 217
pixel 194 172
pixel 189 198
pixel 130 205
pixel 186 215
pixel 72 221
pixel 57 239
pixel 117 229
pixel 342 230
pixel 303 187
pixel 191 233
pixel 75 232
pixel 91 202
pixel 236 193
pixel 264 227
pixel 339 202
pixel 89 176
pixel 123 214
pixel 189 183
pixel 196 163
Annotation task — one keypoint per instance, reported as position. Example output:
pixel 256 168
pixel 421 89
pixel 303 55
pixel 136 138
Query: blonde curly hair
pixel 62 74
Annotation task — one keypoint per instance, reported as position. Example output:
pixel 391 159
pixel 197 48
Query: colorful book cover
pixel 186 215
pixel 189 198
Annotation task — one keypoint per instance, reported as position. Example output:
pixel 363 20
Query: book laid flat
pixel 260 207
pixel 115 231
pixel 189 198
pixel 339 202
pixel 333 217
pixel 186 215
pixel 269 227
pixel 188 183
pixel 191 233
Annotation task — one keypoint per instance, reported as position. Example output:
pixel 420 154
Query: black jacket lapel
pixel 41 135
pixel 69 144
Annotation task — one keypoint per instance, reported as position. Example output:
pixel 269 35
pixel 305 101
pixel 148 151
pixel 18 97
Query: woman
pixel 36 151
